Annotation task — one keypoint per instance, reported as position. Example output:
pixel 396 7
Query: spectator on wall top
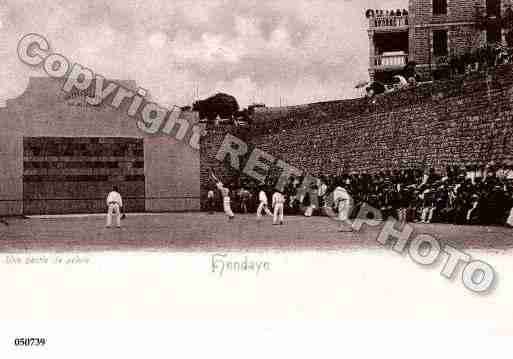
pixel 399 82
pixel 375 88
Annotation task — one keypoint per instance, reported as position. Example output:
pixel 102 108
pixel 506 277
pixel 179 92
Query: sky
pixel 267 51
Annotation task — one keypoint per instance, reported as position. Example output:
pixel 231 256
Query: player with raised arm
pixel 225 193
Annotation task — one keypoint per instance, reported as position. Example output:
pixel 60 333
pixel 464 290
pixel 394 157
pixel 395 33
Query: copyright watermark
pixel 34 50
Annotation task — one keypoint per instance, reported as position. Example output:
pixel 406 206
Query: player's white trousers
pixel 510 218
pixel 309 211
pixel 427 214
pixel 263 206
pixel 113 211
pixel 344 210
pixel 278 212
pixel 226 207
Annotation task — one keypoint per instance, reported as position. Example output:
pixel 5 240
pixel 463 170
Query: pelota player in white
pixel 114 204
pixel 278 201
pixel 262 197
pixel 225 193
pixel 344 203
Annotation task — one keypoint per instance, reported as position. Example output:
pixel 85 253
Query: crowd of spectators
pixel 480 196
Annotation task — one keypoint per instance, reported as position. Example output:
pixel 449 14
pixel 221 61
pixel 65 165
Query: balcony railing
pixel 390 61
pixel 388 22
pixel 441 59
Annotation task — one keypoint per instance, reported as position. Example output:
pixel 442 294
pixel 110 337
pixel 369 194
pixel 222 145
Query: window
pixel 492 34
pixel 439 7
pixel 441 74
pixel 440 43
pixel 492 7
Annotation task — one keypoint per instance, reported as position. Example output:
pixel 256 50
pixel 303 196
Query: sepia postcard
pixel 231 178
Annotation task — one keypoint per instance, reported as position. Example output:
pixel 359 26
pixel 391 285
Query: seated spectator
pixel 486 197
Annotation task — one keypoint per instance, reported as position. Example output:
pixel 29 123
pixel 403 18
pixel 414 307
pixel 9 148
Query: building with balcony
pixel 388 37
pixel 429 33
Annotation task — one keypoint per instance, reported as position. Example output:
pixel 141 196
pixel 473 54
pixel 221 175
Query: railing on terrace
pixel 388 22
pixel 387 61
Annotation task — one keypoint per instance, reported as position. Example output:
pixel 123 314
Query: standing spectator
pixel 244 196
pixel 308 200
pixel 472 216
pixel 323 190
pixel 428 207
pixel 441 204
pixel 509 221
pixel 402 204
pixel 210 201
pixel 495 206
pixel 290 192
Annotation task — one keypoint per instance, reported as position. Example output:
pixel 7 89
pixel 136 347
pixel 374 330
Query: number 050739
pixel 29 342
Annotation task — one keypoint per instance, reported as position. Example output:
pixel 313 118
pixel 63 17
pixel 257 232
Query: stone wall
pixel 465 120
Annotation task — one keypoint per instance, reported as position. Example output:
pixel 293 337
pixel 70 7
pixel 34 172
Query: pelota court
pixel 205 232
